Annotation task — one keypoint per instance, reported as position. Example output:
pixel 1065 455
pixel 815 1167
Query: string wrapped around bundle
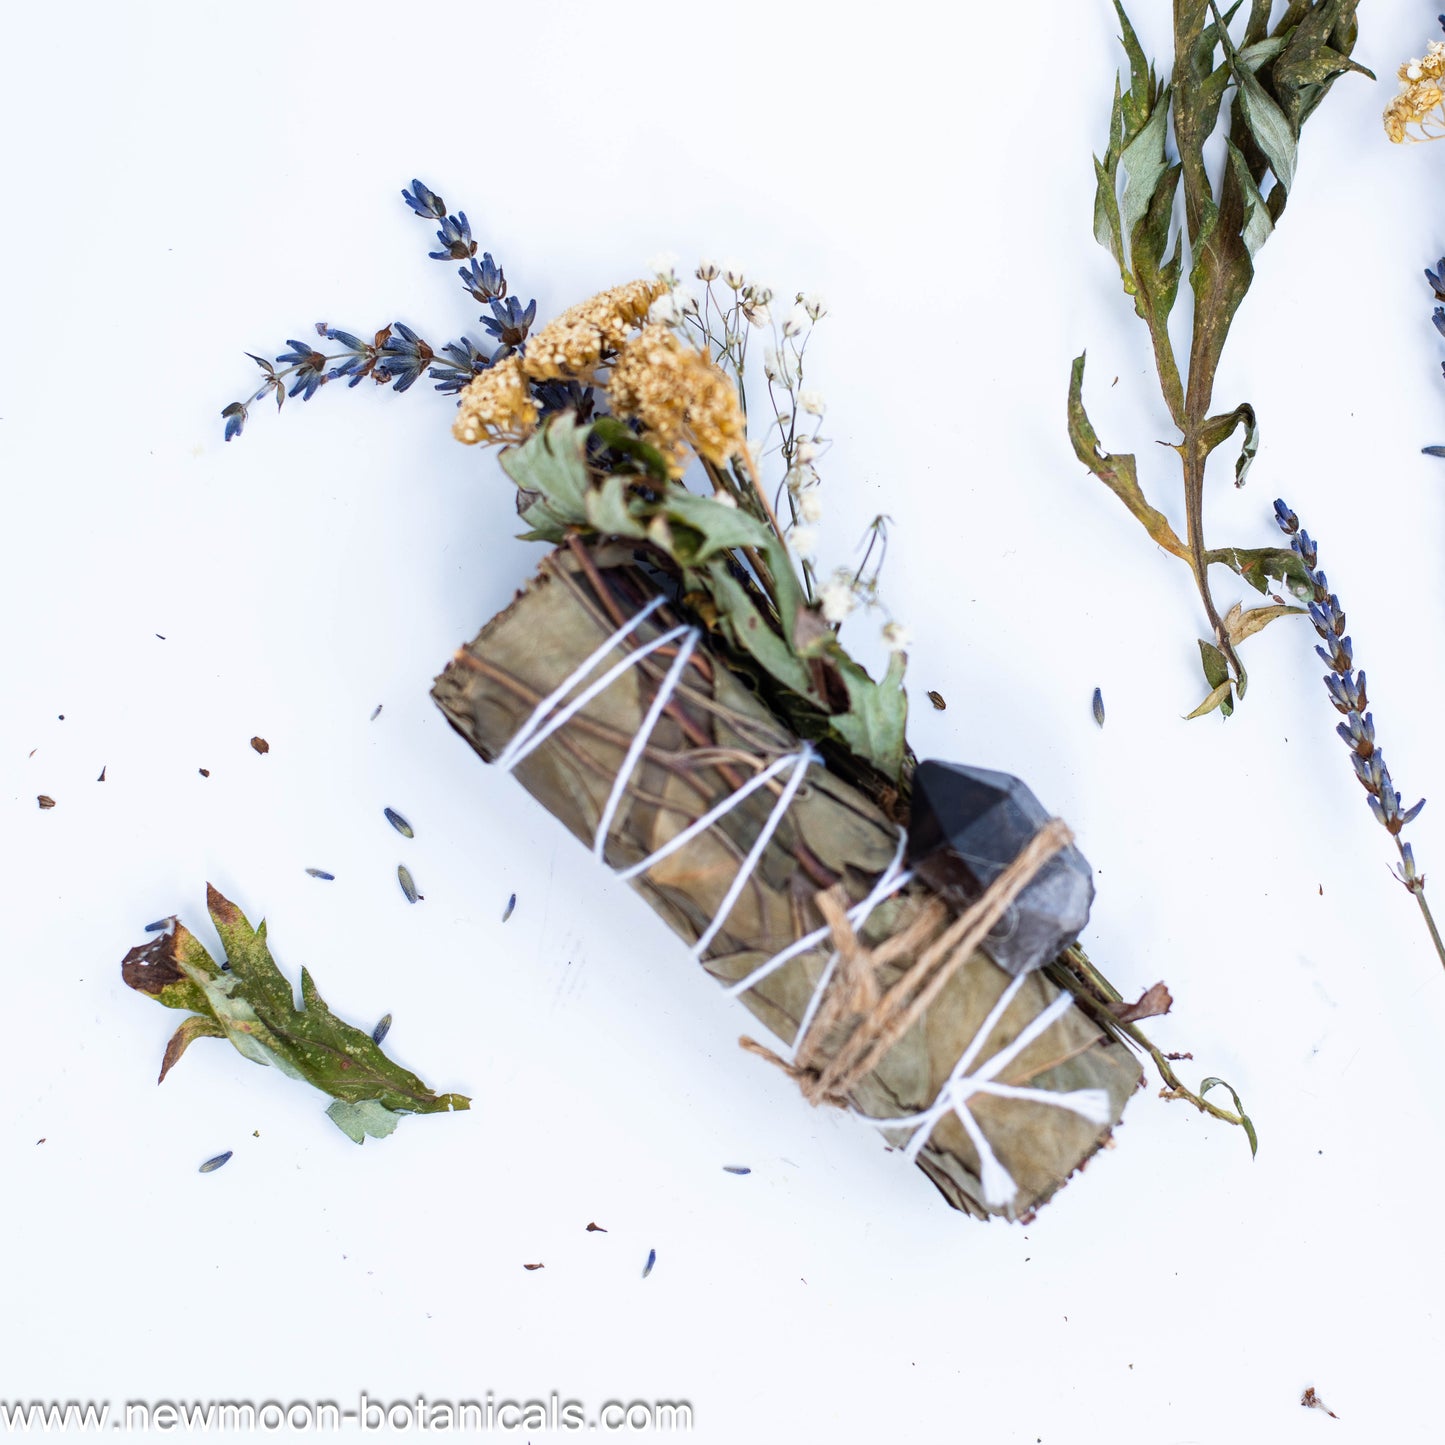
pixel 791 885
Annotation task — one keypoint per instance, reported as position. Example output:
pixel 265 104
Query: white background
pixel 189 182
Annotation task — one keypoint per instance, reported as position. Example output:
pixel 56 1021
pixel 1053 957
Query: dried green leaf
pixel 368 1117
pixel 877 716
pixel 1240 624
pixel 1218 429
pixel 1216 668
pixel 252 1003
pixel 1216 699
pixel 1118 473
pixel 1108 228
pixel 1258 223
pixel 1137 101
pixel 1257 565
pixel 1145 166
pixel 553 464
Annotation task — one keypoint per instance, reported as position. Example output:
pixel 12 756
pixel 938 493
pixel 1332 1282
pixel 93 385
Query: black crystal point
pixel 967 826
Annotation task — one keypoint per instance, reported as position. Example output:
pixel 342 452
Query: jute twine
pixel 882 1016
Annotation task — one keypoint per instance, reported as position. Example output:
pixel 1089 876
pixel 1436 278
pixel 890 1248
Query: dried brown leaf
pixel 1153 1001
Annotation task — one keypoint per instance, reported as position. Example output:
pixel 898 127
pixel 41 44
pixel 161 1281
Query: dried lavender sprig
pixel 397 355
pixel 1346 688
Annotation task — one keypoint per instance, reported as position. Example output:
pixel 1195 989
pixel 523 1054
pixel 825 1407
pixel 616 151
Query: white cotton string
pixel 803 758
pixel 540 726
pixel 525 739
pixel 999 1187
pixel 702 824
pixel 893 878
pixel 664 695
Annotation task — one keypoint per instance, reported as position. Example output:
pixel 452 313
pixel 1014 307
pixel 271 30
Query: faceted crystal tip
pixel 967 825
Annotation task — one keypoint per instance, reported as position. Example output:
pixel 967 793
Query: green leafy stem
pixel 1277 76
pixel 252 1003
pixel 598 479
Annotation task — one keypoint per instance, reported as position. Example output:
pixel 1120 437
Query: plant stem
pixel 1099 991
pixel 1194 456
pixel 1430 924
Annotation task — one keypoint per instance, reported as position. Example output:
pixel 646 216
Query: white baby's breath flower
pixel 776 367
pixel 686 301
pixel 733 274
pixel 796 322
pixel 756 313
pixel 665 311
pixel 763 295
pixel 805 452
pixel 836 598
pixel 896 637
pixel 1413 70
pixel 810 505
pixel 812 402
pixel 804 540
pixel 815 304
pixel 707 269
pixel 664 267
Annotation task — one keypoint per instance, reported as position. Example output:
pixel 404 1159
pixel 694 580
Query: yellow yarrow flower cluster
pixel 572 346
pixel 497 406
pixel 683 401
pixel 1421 101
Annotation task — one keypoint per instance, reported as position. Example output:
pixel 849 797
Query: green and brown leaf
pixel 253 1004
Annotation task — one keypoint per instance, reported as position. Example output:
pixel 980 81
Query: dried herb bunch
pixel 627 420
pixel 1267 79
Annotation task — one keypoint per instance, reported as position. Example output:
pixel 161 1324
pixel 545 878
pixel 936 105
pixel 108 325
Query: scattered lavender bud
pixel 322 874
pixel 398 822
pixel 381 1030
pixel 651 1260
pixel 507 911
pixel 211 1165
pixel 408 884
pixel 1099 707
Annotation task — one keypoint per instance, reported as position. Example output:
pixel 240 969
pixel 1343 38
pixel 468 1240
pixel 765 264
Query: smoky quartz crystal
pixel 967 825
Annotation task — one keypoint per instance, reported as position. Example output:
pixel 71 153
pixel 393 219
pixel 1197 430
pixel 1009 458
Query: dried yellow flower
pixel 572 346
pixel 682 400
pixel 1421 101
pixel 496 406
